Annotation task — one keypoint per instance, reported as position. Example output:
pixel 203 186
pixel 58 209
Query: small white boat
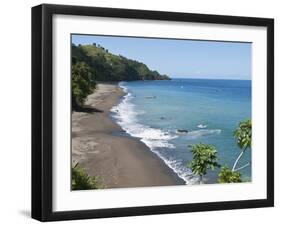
pixel 202 126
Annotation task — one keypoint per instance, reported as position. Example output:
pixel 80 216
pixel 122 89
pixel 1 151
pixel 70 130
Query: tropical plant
pixel 82 181
pixel 83 83
pixel 226 175
pixel 204 158
pixel 243 135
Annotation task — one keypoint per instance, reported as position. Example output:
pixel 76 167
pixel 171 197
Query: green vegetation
pixel 91 63
pixel 83 83
pixel 204 158
pixel 226 175
pixel 82 181
pixel 110 67
pixel 243 135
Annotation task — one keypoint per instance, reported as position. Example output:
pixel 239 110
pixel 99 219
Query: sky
pixel 181 58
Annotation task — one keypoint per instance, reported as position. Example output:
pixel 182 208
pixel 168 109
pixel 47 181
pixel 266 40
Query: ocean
pixel 209 110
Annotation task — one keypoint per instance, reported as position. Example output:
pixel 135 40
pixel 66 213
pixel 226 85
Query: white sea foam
pixel 180 169
pixel 126 116
pixel 121 85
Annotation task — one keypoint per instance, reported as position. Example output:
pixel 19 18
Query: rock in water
pixel 182 131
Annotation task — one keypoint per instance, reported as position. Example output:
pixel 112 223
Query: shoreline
pixel 101 149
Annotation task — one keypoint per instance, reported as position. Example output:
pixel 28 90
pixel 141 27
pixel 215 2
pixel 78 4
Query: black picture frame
pixel 42 111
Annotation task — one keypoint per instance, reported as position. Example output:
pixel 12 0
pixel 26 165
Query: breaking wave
pixel 126 116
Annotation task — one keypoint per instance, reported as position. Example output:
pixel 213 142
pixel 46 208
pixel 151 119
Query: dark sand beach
pixel 120 161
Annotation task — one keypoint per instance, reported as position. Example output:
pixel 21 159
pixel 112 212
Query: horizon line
pixel 211 78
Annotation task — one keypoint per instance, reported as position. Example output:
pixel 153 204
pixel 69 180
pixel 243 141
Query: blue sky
pixel 181 58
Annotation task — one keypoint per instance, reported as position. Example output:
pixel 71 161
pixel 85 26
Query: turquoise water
pixel 209 110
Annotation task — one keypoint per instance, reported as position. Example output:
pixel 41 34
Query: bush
pixel 204 158
pixel 82 181
pixel 226 175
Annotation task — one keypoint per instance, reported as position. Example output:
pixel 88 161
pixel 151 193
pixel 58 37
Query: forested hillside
pixel 109 67
pixel 93 63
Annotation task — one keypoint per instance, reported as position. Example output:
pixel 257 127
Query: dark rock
pixel 182 131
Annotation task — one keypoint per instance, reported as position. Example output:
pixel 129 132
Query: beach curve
pixel 101 149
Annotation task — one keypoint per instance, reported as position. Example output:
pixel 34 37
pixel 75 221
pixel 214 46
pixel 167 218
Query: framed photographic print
pixel 145 112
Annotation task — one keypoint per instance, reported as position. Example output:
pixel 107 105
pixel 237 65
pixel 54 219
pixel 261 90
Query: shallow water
pixel 209 110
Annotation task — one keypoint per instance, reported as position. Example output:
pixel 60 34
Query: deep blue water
pixel 154 110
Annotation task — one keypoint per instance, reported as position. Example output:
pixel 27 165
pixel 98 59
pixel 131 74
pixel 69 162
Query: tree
pixel 204 158
pixel 243 135
pixel 226 175
pixel 83 83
